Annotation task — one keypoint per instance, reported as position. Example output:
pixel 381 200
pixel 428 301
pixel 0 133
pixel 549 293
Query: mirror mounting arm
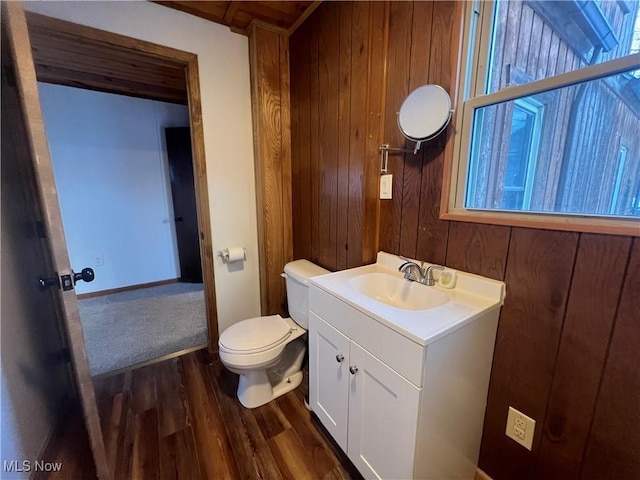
pixel 384 152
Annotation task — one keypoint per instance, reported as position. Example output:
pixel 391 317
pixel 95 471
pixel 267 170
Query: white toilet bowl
pixel 267 352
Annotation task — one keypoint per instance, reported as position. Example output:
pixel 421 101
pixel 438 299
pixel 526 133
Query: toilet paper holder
pixel 234 256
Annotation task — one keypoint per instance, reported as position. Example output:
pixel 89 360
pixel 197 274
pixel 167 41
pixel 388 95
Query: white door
pixel 329 374
pixel 37 163
pixel 383 418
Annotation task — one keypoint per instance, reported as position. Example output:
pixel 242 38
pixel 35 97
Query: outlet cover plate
pixel 386 186
pixel 520 428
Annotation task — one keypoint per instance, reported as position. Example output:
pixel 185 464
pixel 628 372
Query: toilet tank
pixel 298 274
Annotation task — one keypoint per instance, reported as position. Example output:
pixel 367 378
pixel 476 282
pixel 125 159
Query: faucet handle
pixel 428 275
pixel 437 267
pixel 408 260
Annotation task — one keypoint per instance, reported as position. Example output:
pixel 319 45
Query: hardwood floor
pixel 181 419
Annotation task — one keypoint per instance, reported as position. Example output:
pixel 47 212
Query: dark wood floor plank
pixel 292 458
pixel 220 439
pixel 172 411
pixel 300 418
pixel 271 420
pixel 178 457
pixel 337 473
pixel 111 428
pixel 125 439
pixel 253 457
pixel 212 443
pixel 143 389
pixel 146 446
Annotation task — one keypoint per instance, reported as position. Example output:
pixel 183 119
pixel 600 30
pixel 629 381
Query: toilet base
pixel 257 387
pixel 255 390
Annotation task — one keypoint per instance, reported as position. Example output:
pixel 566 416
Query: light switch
pixel 386 186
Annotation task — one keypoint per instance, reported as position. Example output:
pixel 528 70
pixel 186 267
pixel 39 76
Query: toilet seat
pixel 255 335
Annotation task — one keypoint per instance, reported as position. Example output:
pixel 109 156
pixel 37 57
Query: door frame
pixel 188 61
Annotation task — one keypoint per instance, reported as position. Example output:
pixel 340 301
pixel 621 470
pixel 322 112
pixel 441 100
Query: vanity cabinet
pixel 369 409
pixel 397 408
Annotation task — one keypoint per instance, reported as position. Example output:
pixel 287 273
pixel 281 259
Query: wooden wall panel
pixel 376 87
pixel 357 128
pixel 444 69
pixel 479 249
pixel 344 117
pixel 336 83
pixel 314 143
pixel 272 147
pixel 554 331
pixel 588 323
pixel 398 75
pixel 420 48
pixel 328 93
pixel 613 451
pixel 538 276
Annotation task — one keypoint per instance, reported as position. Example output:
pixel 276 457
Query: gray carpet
pixel 126 328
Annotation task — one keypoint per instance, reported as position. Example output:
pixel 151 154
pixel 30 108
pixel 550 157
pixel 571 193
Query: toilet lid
pixel 255 334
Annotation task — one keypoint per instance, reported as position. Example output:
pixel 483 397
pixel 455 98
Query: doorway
pixel 61 279
pixel 113 63
pixel 116 178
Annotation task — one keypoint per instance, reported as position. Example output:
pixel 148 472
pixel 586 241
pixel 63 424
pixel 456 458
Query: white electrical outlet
pixel 98 261
pixel 520 428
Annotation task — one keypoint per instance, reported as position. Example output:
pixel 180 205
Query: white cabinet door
pixel 383 418
pixel 329 377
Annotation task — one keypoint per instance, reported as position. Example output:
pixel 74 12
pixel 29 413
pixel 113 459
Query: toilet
pixel 267 352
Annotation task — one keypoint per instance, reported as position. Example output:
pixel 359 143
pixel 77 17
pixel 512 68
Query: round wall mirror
pixel 424 113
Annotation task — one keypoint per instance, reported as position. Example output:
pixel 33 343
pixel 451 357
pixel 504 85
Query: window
pixel 550 124
pixel 616 200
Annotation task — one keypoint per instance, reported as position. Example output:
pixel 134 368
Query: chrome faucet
pixel 417 273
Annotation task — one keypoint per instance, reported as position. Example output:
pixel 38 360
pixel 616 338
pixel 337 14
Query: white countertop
pixel 471 297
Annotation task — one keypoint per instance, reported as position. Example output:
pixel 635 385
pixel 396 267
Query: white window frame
pixel 477 37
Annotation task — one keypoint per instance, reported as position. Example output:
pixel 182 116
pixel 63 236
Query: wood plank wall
pixel 268 50
pixel 336 88
pixel 566 352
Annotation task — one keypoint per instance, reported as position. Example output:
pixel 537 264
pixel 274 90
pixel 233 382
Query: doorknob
pixel 86 274
pixel 339 358
pixel 353 369
pixel 66 282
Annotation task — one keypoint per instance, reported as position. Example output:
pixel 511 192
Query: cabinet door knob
pixel 339 358
pixel 353 369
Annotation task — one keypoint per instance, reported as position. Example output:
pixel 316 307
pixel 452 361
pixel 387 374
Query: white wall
pixel 111 169
pixel 223 59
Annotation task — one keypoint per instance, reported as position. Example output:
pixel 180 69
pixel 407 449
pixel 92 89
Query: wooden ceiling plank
pixel 232 9
pixel 306 14
pixel 214 13
pixel 293 9
pixel 263 11
pixel 239 14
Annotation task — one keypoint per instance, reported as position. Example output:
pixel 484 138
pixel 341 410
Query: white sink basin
pixel 397 292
